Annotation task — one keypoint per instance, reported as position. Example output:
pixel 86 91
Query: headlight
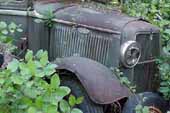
pixel 130 53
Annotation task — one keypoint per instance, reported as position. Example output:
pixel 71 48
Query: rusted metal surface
pixel 114 21
pixel 101 84
pixel 134 28
pixel 68 41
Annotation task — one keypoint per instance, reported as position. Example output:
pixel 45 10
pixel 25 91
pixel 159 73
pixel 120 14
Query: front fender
pixel 101 84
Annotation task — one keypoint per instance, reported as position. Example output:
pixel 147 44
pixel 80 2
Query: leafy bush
pixel 124 80
pixel 6 33
pixel 30 85
pixel 164 67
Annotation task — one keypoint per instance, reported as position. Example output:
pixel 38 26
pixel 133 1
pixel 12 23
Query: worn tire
pixel 152 99
pixel 77 90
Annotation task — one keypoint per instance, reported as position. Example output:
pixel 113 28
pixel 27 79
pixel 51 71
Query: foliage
pixel 141 109
pixel 124 80
pixel 164 67
pixel 30 85
pixel 47 18
pixel 6 33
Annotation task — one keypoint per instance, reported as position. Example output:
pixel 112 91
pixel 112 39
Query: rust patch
pixel 101 84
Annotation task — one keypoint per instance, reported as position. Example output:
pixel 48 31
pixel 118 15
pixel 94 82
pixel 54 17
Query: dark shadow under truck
pixel 88 42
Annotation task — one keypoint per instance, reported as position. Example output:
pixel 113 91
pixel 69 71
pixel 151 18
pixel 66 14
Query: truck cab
pixel 86 42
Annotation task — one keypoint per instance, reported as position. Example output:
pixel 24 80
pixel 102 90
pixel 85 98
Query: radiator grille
pixel 150 46
pixel 68 41
pixel 146 77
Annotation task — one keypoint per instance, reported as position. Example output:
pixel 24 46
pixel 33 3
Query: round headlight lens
pixel 130 53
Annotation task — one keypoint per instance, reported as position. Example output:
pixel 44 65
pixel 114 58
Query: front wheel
pixel 153 101
pixel 77 90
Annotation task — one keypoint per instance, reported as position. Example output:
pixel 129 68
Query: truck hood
pixel 113 20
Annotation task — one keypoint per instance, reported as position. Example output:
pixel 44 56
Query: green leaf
pixel 55 81
pixel 17 79
pixel 138 107
pixel 39 54
pixel 72 100
pixel 2 80
pixel 3 25
pixel 50 69
pixel 60 93
pixel 39 73
pixel 164 90
pixel 32 110
pixel 13 66
pixel 51 109
pixel 8 40
pixel 145 109
pixel 24 70
pixel 64 106
pixel 12 27
pixel 31 92
pixel 38 21
pixel 66 89
pixel 79 100
pixel 44 58
pixel 29 55
pixel 19 30
pixel 39 102
pixel 26 101
pixel 38 64
pixel 167 31
pixel 5 32
pixel 32 67
pixel 75 110
pixel 29 84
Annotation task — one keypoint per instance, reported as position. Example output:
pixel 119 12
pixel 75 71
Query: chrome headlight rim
pixel 129 46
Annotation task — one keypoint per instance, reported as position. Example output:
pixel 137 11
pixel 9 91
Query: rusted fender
pixel 101 84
